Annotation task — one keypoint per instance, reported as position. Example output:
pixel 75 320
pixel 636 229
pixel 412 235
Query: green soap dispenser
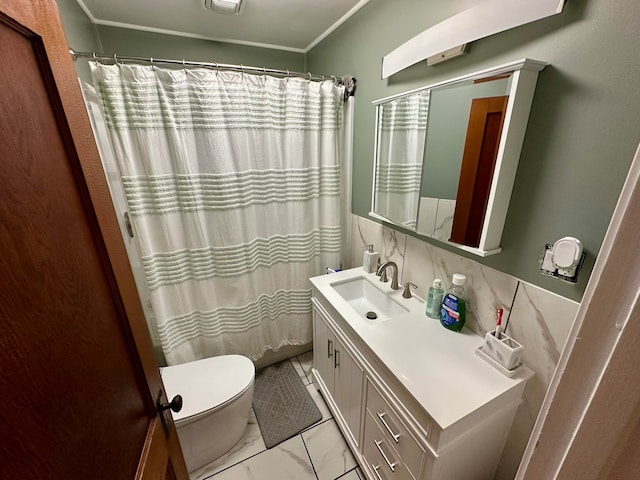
pixel 434 299
pixel 452 313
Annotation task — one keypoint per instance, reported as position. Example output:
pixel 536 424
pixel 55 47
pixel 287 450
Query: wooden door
pixel 478 161
pixel 78 378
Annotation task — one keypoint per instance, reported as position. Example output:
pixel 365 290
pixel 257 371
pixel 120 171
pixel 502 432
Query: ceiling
pixel 295 25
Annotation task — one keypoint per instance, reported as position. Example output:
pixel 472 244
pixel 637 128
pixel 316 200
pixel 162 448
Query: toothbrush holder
pixel 503 349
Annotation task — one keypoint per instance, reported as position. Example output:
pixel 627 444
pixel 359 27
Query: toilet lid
pixel 208 383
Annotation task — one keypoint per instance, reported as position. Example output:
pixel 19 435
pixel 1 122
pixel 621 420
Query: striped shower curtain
pixel 402 130
pixel 232 183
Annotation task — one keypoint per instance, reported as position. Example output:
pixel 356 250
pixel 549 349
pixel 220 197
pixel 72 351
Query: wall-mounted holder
pixel 563 259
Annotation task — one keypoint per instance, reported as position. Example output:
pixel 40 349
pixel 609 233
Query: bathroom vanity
pixel 412 399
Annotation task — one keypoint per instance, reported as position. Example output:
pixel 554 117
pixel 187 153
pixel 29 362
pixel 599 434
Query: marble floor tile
pixel 299 370
pixel 287 461
pixel 306 362
pixel 328 450
pixel 320 403
pixel 354 474
pixel 249 445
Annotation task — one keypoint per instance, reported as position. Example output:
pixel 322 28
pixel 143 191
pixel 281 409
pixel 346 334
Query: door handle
pixel 329 348
pixel 175 405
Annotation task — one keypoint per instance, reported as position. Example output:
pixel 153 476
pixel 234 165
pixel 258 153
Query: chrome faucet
pixel 382 273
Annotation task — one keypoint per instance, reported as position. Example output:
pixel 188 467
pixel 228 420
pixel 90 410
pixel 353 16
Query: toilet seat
pixel 208 384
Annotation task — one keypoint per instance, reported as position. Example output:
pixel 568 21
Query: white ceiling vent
pixel 226 7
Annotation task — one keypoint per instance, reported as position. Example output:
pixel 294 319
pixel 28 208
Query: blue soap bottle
pixel 452 313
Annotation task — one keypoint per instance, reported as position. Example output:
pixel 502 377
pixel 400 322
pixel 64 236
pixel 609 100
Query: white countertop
pixel 438 367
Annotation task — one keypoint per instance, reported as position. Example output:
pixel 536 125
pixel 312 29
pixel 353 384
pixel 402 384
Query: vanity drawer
pixel 394 430
pixel 382 458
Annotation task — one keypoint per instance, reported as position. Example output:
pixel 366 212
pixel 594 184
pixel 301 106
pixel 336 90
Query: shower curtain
pixel 233 187
pixel 402 130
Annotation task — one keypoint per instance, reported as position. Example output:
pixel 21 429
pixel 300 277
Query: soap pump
pixel 434 299
pixel 370 260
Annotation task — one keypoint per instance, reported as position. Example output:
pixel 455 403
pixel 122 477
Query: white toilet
pixel 216 399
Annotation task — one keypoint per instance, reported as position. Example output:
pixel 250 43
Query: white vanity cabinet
pixel 342 376
pixel 412 399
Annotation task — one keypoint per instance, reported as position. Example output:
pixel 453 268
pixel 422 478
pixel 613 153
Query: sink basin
pixel 367 300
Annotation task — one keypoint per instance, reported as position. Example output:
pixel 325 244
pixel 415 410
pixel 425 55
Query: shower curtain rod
pixel 348 81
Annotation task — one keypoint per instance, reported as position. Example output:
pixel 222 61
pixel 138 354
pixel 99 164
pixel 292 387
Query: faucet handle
pixel 406 293
pixel 383 275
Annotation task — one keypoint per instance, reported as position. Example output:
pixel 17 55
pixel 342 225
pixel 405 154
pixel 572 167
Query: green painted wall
pixel 83 36
pixel 583 130
pixel 81 33
pixel 146 44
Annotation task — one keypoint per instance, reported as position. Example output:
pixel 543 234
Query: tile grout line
pixel 233 465
pixel 302 368
pixel 347 473
pixel 311 427
pixel 309 455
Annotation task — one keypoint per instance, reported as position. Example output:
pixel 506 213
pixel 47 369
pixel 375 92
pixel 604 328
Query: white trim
pixel 131 26
pixel 590 396
pixel 485 19
pixel 333 27
pixel 522 64
pixel 86 10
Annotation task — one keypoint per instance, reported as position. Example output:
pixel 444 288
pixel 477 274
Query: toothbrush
pixel 497 334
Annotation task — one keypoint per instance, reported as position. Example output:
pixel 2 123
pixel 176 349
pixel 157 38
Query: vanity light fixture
pixel 225 7
pixel 447 55
pixel 482 20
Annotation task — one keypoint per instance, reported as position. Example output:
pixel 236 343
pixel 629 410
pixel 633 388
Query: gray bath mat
pixel 282 404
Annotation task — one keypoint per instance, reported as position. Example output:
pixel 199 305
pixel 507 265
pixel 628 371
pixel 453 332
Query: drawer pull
pixel 392 466
pixel 396 436
pixel 375 470
pixel 329 348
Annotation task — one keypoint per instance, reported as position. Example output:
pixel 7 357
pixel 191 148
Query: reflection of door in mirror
pixel 478 161
pixel 447 132
pixel 401 134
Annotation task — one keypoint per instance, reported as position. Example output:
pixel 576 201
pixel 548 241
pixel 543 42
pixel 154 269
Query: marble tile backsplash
pixel 538 319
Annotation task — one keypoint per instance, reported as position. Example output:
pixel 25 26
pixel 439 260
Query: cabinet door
pixel 348 377
pixel 323 350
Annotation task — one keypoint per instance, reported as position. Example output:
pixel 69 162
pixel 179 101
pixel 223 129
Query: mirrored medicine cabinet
pixel 446 155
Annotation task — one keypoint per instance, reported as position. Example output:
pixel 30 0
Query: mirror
pixel 446 155
pixel 401 128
